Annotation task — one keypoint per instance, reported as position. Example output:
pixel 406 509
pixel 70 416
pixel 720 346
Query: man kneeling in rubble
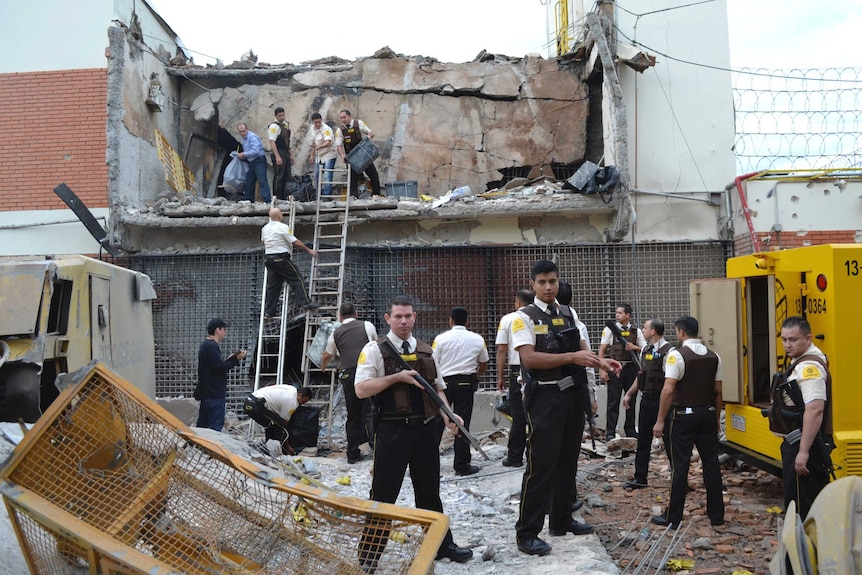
pixel 272 407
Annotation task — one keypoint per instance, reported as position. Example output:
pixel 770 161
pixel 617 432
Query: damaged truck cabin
pixel 57 316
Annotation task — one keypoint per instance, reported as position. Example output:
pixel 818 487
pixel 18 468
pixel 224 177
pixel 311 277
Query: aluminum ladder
pixel 326 284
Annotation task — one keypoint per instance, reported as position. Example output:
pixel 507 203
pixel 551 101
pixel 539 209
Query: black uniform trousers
pixel 398 446
pixel 459 393
pixel 802 489
pixel 281 175
pixel 699 428
pixel 518 430
pixel 617 387
pixel 372 174
pixel 274 426
pixel 281 269
pixel 358 411
pixel 647 416
pixel 555 422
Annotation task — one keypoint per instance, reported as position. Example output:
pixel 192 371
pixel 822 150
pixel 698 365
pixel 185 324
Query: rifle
pixel 612 325
pixel 389 350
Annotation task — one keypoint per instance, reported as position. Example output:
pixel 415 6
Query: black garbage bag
pixel 304 427
pixel 301 188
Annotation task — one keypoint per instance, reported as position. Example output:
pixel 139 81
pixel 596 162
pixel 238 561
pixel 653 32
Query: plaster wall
pixel 799 206
pixel 47 232
pixel 680 115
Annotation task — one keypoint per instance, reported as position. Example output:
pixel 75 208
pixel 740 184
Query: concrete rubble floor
pixel 483 509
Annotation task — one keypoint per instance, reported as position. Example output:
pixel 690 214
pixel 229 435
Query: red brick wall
pixel 742 244
pixel 52 130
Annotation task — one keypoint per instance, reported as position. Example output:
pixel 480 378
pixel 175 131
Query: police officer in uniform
pixel 804 403
pixel 690 407
pixel 649 383
pixel 409 428
pixel 552 362
pixel 346 342
pixel 347 137
pixel 618 385
pixel 278 132
pixel 511 382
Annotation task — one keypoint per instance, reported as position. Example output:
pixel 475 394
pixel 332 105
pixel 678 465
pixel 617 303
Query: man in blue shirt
pixel 211 389
pixel 253 153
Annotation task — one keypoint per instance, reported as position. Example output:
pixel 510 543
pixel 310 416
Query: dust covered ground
pixel 483 509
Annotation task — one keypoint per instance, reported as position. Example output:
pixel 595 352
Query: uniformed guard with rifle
pixel 397 371
pixel 622 341
pixel 801 412
pixel 552 368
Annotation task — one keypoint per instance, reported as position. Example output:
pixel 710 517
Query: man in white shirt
pixel 512 384
pixel 278 244
pixel 272 407
pixel 622 351
pixel 462 358
pixel 347 137
pixel 323 151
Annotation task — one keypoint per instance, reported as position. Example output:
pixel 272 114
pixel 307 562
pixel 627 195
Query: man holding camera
pixel 552 360
pixel 802 395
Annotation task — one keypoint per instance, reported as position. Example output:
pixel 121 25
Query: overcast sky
pixel 767 33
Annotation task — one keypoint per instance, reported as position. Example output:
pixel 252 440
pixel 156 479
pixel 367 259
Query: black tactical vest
pixel 351 136
pixel 618 350
pixel 405 399
pixel 652 376
pixel 697 386
pixel 545 328
pixel 283 140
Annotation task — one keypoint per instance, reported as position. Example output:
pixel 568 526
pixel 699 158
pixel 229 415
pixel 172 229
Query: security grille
pixel 191 289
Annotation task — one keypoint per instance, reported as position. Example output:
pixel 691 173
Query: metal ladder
pixel 326 284
pixel 271 334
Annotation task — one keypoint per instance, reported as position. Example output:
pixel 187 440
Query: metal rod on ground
pixel 648 542
pixel 651 552
pixel 632 544
pixel 674 542
pixel 627 533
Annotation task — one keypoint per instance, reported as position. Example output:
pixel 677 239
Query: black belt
pixel 651 394
pixel 460 379
pixel 276 257
pixel 693 409
pixel 409 420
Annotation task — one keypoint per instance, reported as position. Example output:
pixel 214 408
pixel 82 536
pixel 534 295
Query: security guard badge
pixel 541 329
pixel 811 372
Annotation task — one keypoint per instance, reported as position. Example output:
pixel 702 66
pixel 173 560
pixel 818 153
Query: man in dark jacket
pixel 212 375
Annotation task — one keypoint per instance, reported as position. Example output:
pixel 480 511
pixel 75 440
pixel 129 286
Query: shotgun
pixel 612 325
pixel 389 351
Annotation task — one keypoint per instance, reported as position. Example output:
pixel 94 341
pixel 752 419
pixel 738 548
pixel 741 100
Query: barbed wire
pixel 798 119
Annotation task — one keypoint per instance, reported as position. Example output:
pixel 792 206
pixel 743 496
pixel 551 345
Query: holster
pixel 529 386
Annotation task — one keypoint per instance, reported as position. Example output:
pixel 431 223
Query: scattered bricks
pixel 709 571
pixel 724 549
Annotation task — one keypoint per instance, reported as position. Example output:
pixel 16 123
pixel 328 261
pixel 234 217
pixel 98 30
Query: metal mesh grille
pixel 109 458
pixel 653 278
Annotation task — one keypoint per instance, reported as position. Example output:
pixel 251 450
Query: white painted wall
pixel 800 207
pixel 69 35
pixel 47 232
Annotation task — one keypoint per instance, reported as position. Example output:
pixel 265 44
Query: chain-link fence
pixel 192 289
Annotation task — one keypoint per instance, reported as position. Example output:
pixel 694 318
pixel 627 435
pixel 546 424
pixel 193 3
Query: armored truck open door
pixel 741 316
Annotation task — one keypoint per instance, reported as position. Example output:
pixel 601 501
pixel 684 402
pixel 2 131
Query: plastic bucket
pixel 362 155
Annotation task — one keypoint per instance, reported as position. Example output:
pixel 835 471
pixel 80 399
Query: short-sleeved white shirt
pixel 523 329
pixel 810 376
pixel 280 399
pixel 608 337
pixel 370 362
pixel 504 336
pixel 370 331
pixel 318 137
pixel 459 351
pixel 277 238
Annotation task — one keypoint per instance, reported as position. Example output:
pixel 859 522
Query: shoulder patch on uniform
pixel 671 360
pixel 361 359
pixel 434 344
pixel 517 325
pixel 811 372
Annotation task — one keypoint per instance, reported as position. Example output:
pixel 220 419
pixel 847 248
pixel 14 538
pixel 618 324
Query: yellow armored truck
pixel 58 315
pixel 741 316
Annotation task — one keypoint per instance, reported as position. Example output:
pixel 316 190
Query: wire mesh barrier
pixel 654 278
pixel 798 119
pixel 108 482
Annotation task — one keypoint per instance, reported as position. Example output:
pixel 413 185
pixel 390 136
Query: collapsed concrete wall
pixel 443 125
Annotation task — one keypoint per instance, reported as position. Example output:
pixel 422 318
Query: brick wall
pixel 52 130
pixel 742 244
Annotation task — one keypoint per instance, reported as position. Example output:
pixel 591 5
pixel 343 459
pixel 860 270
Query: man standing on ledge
pixel 462 358
pixel 278 242
pixel 211 390
pixel 279 145
pixel 409 428
pixel 691 405
pixel 348 137
pixel 252 152
pixel 553 365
